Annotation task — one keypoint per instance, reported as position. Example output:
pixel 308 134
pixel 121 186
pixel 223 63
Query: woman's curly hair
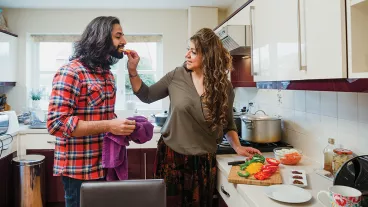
pixel 216 64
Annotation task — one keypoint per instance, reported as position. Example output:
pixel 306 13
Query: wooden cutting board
pixel 235 178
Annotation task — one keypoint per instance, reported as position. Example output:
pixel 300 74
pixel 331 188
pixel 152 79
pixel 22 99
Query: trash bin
pixel 29 181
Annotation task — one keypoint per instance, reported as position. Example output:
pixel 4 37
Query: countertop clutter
pixel 255 195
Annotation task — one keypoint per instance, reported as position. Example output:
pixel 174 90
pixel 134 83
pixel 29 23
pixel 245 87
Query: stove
pixel 225 148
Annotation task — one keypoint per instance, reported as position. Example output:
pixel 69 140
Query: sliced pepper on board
pixel 271 168
pixel 272 161
pixel 255 158
pixel 244 175
pixel 261 175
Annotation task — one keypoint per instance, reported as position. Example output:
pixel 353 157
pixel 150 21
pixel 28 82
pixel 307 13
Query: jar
pixel 340 156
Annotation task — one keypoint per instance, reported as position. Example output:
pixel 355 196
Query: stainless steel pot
pixel 261 128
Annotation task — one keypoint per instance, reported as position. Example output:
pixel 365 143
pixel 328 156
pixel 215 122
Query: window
pixel 53 51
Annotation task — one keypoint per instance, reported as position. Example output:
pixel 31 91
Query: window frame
pixel 120 73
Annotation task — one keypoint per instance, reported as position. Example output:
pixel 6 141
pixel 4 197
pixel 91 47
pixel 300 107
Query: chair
pixel 135 193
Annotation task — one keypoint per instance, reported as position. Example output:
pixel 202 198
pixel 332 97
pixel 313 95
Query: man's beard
pixel 116 54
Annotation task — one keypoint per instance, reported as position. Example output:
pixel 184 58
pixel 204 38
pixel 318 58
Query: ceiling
pixel 114 4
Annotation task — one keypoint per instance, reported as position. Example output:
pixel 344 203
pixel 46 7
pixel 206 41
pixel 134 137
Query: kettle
pixel 354 174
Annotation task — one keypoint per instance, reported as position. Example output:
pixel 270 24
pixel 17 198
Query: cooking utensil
pixel 236 162
pixel 160 119
pixel 261 128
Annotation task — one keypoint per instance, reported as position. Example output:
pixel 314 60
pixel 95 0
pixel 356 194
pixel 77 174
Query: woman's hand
pixel 246 151
pixel 133 60
pixel 121 126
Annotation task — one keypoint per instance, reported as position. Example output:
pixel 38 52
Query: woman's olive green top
pixel 186 130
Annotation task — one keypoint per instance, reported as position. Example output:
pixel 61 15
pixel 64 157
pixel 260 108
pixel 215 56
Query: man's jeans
pixel 72 191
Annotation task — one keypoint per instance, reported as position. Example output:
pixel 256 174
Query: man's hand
pixel 247 151
pixel 133 60
pixel 121 126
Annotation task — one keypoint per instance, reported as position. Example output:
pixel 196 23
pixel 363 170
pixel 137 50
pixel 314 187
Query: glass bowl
pixel 288 155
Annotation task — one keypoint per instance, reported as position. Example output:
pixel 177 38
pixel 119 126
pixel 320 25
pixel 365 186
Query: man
pixel 81 108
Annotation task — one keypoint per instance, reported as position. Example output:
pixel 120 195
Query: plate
pixel 303 178
pixel 288 193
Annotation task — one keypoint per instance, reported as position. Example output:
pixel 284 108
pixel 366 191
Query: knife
pixel 236 162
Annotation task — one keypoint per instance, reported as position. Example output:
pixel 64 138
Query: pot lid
pixel 258 116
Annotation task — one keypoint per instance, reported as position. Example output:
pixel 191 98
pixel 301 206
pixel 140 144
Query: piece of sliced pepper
pixel 244 175
pixel 261 175
pixel 272 168
pixel 272 161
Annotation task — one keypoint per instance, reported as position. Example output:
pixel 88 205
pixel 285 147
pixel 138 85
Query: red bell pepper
pixel 272 161
pixel 269 169
pixel 261 175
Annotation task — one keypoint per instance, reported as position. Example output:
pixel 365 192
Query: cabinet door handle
pixel 145 166
pixel 51 142
pixel 302 67
pixel 252 41
pixel 224 191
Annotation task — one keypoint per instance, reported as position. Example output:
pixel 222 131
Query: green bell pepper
pixel 244 175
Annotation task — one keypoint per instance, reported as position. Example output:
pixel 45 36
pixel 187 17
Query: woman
pixel 200 114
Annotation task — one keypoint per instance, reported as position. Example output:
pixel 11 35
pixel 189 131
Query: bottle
pixel 328 155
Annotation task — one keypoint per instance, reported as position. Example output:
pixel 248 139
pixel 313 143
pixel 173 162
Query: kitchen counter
pixel 24 129
pixel 254 195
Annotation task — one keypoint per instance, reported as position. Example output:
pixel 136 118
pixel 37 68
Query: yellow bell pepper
pixel 253 168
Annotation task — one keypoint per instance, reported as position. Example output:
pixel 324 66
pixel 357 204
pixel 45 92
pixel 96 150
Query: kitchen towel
pixel 114 153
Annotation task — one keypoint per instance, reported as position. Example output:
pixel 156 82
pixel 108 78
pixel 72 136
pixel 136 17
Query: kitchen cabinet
pixel 323 39
pixel 228 191
pixel 141 163
pixel 8 54
pixel 357 33
pixel 6 180
pixel 298 40
pixel 134 164
pixel 54 184
pixel 148 162
pixel 275 54
pixel 241 76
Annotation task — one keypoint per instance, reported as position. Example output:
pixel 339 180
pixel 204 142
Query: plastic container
pixel 340 156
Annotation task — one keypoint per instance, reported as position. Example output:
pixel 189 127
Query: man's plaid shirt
pixel 79 94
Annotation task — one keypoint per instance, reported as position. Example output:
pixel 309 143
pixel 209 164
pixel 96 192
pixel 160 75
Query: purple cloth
pixel 114 153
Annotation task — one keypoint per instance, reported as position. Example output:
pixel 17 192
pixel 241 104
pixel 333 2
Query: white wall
pixel 172 24
pixel 311 117
pixel 200 17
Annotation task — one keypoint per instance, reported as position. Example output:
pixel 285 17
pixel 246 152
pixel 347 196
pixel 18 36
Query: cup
pixel 339 195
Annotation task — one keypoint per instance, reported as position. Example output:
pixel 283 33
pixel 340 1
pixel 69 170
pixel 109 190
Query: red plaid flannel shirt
pixel 79 94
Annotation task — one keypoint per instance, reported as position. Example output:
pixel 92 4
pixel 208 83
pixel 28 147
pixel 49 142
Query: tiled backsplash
pixel 311 117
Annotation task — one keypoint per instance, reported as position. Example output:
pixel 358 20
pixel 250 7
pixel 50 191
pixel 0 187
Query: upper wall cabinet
pixel 357 18
pixel 275 39
pixel 323 39
pixel 298 39
pixel 8 60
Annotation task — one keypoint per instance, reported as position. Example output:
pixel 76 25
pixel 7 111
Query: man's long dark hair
pixel 95 45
